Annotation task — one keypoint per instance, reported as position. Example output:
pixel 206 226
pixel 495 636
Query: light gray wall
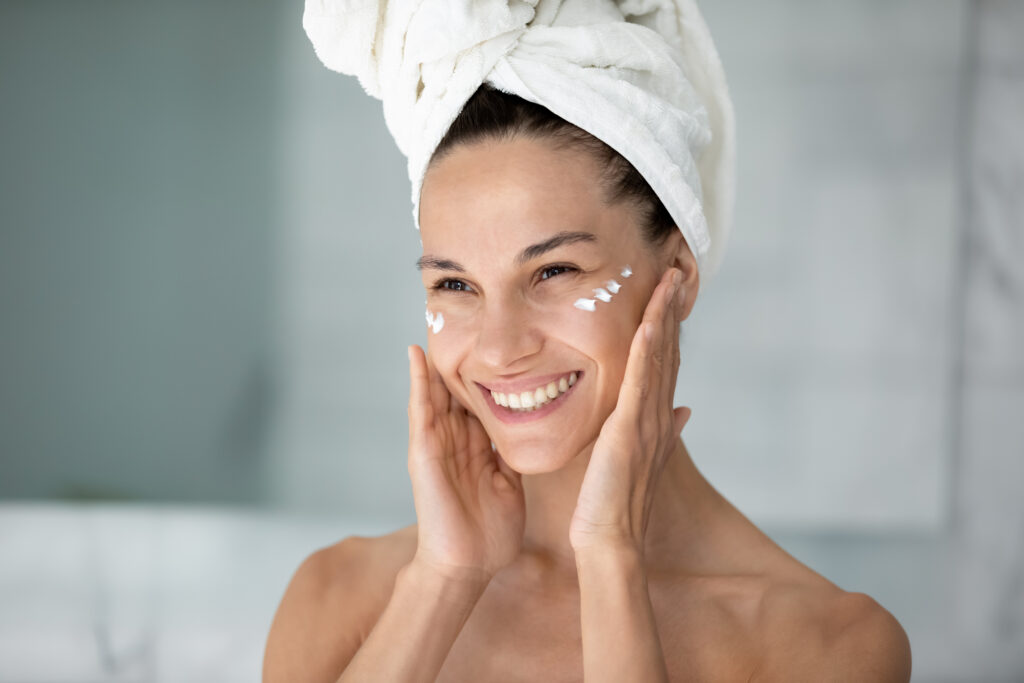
pixel 817 363
pixel 137 197
pixel 959 592
pixel 351 298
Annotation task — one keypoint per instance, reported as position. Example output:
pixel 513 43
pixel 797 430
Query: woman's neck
pixel 683 506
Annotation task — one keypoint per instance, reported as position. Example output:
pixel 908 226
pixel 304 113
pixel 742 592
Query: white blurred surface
pixel 166 594
pixel 147 593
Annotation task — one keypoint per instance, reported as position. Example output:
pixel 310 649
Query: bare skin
pixel 587 546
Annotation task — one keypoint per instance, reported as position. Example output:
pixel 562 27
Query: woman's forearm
pixel 620 636
pixel 414 633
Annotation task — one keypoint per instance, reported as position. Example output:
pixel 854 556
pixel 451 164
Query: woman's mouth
pixel 526 401
pixel 533 403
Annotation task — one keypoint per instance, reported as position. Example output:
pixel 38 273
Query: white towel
pixel 641 75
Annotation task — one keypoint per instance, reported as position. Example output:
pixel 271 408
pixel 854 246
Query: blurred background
pixel 207 284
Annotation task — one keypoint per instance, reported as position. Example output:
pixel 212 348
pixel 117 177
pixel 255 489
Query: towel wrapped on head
pixel 643 76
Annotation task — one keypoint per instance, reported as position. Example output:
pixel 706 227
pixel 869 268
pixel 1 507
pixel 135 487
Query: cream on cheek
pixel 603 294
pixel 434 321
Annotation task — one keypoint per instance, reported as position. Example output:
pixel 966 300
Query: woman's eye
pixel 453 286
pixel 551 271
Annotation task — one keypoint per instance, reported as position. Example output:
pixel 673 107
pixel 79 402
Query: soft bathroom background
pixel 207 283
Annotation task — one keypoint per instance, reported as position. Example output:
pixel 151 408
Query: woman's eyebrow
pixel 525 256
pixel 427 261
pixel 553 242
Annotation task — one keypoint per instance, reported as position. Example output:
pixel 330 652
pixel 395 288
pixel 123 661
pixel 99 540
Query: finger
pixel 454 404
pixel 680 416
pixel 458 419
pixel 438 391
pixel 679 309
pixel 479 439
pixel 421 409
pixel 513 477
pixel 639 382
pixel 459 422
pixel 676 353
pixel 658 310
pixel 670 345
pixel 636 380
pixel 479 444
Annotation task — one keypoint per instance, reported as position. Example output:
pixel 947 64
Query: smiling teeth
pixel 531 400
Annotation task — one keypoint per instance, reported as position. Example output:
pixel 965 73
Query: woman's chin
pixel 527 459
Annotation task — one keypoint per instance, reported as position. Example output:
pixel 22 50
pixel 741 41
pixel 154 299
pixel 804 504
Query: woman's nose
pixel 507 334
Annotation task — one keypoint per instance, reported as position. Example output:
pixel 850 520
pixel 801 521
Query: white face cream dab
pixel 435 322
pixel 603 294
pixel 585 304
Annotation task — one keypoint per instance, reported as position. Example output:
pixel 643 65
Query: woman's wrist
pixel 458 585
pixel 608 549
pixel 618 560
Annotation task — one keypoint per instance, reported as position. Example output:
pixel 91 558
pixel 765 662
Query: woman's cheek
pixel 435 320
pixel 446 321
pixel 600 334
pixel 594 316
pixel 599 303
pixel 449 346
pixel 604 292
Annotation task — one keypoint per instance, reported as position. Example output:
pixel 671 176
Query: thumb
pixel 510 475
pixel 680 417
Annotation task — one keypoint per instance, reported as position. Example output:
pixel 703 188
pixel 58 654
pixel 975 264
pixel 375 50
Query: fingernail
pixel 681 295
pixel 677 277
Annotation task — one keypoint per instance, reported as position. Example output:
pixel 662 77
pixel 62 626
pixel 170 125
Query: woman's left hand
pixel 640 434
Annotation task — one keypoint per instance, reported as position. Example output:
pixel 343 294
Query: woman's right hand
pixel 470 507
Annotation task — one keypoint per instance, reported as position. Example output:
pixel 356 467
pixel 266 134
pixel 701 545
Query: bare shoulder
pixel 332 601
pixel 816 631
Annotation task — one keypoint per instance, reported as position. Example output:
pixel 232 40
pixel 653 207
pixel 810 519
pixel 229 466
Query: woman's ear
pixel 681 257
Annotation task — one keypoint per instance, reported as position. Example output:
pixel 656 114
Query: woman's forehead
pixel 523 181
pixel 506 189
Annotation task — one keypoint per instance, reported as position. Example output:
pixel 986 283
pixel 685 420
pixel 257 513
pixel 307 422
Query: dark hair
pixel 491 114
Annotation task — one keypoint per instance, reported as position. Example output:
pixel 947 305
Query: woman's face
pixel 516 240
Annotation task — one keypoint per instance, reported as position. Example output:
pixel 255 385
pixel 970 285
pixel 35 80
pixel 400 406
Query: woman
pixel 563 531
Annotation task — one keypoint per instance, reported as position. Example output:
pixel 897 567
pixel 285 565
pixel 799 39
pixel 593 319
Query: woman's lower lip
pixel 509 416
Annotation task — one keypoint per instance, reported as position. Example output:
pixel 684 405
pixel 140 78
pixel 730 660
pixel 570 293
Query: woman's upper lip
pixel 527 383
